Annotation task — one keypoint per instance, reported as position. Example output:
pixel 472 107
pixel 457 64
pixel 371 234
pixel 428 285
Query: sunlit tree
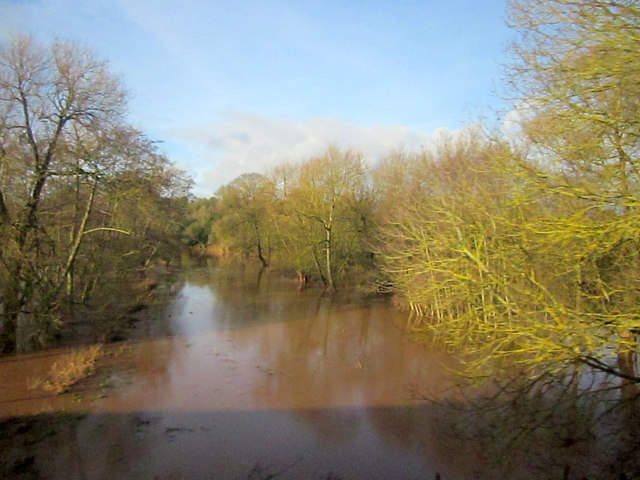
pixel 65 157
pixel 528 253
pixel 320 205
pixel 244 207
pixel 576 68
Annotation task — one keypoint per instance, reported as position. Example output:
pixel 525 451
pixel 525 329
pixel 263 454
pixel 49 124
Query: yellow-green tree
pixel 449 242
pixel 576 67
pixel 323 212
pixel 529 254
pixel 244 207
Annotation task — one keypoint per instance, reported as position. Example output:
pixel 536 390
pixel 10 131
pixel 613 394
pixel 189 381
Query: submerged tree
pixel 577 69
pixel 444 241
pixel 321 212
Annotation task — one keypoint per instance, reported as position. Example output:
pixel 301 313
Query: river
pixel 242 376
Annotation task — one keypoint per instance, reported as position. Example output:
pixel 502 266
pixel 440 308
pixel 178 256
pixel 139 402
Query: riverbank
pixel 87 362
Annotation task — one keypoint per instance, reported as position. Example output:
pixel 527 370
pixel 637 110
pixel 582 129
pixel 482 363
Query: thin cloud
pixel 242 142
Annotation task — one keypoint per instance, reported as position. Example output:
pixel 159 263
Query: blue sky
pixel 236 86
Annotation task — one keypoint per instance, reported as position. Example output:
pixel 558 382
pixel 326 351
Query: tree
pixel 576 67
pixel 445 238
pixel 320 204
pixel 202 213
pixel 244 208
pixel 64 150
pixel 530 255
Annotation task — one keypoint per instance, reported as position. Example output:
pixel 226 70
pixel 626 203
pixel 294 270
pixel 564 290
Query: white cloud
pixel 240 143
pixel 512 121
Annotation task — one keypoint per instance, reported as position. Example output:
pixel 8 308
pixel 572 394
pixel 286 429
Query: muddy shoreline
pixel 25 440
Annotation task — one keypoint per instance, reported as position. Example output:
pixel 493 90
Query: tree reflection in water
pixel 583 426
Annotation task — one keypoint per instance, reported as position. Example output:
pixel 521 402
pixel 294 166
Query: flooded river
pixel 244 377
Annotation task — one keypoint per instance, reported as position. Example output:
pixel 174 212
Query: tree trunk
pixel 626 366
pixel 8 329
pixel 16 294
pixel 263 261
pixel 330 283
pixel 4 213
pixel 319 267
pixel 303 278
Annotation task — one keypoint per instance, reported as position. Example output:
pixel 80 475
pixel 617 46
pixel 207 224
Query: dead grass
pixel 70 369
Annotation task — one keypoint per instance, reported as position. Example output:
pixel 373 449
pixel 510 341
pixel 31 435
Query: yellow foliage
pixel 70 369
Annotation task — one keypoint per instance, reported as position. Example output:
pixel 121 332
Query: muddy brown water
pixel 253 379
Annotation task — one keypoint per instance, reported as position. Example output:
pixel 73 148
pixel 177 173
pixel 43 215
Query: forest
pixel 516 243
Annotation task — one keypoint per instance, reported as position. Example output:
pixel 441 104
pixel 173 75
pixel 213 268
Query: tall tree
pixel 320 202
pixel 531 256
pixel 244 207
pixel 63 147
pixel 577 70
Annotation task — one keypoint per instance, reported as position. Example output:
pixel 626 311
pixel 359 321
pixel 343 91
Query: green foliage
pixel 244 210
pixel 506 273
pixel 325 205
pixel 314 217
pixel 199 219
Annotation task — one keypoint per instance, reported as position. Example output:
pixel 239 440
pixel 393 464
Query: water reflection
pixel 255 379
pixel 239 344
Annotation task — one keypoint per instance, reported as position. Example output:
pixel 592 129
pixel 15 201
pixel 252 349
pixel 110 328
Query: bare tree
pixel 64 144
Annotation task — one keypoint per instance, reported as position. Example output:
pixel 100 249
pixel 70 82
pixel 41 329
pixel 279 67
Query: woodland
pixel 516 243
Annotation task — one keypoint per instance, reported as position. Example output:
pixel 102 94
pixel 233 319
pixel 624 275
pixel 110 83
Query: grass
pixel 70 369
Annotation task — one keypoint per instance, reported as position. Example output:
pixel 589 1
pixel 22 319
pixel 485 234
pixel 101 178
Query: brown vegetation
pixel 69 369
